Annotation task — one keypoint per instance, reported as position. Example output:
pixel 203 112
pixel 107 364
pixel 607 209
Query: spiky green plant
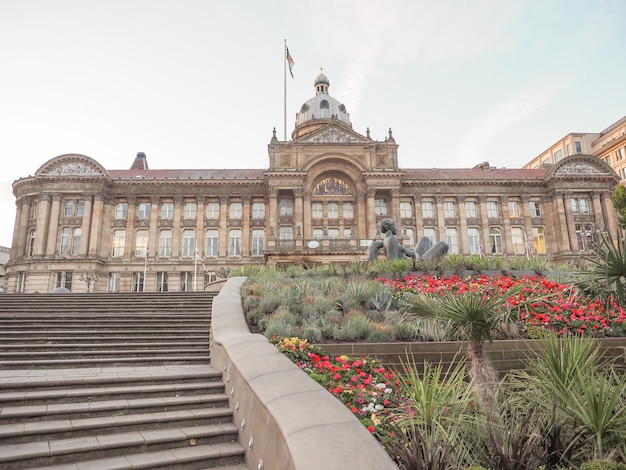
pixel 360 294
pixel 353 328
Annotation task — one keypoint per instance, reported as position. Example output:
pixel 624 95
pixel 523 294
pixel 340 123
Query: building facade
pixel 82 227
pixel 608 145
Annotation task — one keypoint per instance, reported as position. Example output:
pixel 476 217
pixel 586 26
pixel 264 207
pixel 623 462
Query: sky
pixel 202 83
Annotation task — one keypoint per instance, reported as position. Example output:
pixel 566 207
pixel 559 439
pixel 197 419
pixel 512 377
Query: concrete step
pixel 100 352
pixel 36 348
pixel 105 361
pixel 172 447
pixel 74 395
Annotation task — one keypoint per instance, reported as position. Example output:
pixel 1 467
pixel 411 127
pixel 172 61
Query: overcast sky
pixel 200 83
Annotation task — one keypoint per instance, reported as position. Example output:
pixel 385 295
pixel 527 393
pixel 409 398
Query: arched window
pixel 331 187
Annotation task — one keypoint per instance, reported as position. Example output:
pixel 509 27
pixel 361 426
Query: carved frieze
pixel 72 169
pixel 577 168
pixel 334 135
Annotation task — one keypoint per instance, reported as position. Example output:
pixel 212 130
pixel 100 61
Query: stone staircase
pixel 112 381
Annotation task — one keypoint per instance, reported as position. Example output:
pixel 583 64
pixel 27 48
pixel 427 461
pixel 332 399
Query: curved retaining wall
pixel 286 420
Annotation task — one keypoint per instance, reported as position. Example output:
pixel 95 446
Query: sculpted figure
pixel 395 250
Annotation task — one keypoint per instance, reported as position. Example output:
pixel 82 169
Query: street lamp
pixel 89 278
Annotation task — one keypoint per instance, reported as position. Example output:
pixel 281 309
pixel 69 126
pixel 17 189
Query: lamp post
pixel 88 278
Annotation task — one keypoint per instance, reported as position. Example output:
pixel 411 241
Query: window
pixel 317 210
pixel 258 210
pixel 186 281
pixel 65 241
pixel 492 209
pixel 348 210
pixel 449 209
pixel 113 282
pixel 235 211
pixel 234 242
pixel 428 209
pixel 68 209
pixel 622 153
pixel 408 234
pixel 286 207
pixel 63 279
pixel 21 282
pixel 75 244
pixel 190 210
pixel 286 233
pixel 470 210
pixel 165 243
pixel 70 241
pixel 143 210
pixel 558 155
pixel 213 210
pixel 584 236
pixel 380 207
pixel 137 282
pixel 452 238
pixel 580 205
pixel 211 243
pixel 141 243
pixel 473 238
pixel 31 243
pixel 121 210
pixel 578 147
pixel 430 233
pixel 80 208
pixel 161 282
pixel 347 233
pixel 34 209
pixel 517 240
pixel 406 211
pixel 333 210
pixel 189 243
pixel 535 209
pixel 539 240
pixel 607 160
pixel 258 242
pixel 568 148
pixel 167 210
pixel 119 243
pixel 514 209
pixel 333 233
pixel 318 233
pixel 495 240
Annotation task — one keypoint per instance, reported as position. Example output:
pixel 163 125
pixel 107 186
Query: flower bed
pixel 559 308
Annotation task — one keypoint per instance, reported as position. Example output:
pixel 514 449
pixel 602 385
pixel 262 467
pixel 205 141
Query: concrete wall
pixel 286 420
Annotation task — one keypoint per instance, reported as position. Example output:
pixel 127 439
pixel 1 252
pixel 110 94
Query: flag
pixel 289 60
pixel 199 258
pixel 147 254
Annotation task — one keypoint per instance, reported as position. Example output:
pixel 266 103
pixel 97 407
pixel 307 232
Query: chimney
pixel 140 163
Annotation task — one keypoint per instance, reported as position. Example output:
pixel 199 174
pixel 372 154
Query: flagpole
pixel 285 89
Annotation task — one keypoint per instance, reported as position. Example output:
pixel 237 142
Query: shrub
pixel 403 331
pixel 377 335
pixel 354 327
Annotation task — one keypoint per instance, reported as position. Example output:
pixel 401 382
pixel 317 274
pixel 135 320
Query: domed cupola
pixel 321 107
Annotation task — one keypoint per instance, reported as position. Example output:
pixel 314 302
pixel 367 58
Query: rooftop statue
pixel 394 250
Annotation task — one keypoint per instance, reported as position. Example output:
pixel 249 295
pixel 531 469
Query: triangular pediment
pixel 580 166
pixel 335 135
pixel 71 165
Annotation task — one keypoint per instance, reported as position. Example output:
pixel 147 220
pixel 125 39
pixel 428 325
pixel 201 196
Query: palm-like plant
pixel 606 277
pixel 476 317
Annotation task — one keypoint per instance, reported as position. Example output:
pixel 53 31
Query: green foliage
pixel 359 294
pixel 602 465
pixel 383 299
pixel 353 328
pixel 619 202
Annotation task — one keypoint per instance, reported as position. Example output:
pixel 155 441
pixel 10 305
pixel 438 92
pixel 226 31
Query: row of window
pixel 185 283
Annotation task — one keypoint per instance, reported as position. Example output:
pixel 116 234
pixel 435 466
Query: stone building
pixel 81 226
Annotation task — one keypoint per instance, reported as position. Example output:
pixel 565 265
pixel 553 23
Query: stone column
pixel 130 227
pixel 245 229
pixel 153 234
pixel 360 214
pixel 463 239
pixel 560 221
pixel 441 222
pixel 395 206
pixel 419 218
pixel 85 227
pixel 223 227
pixel 97 219
pixel 53 225
pixel 20 229
pixel 506 225
pixel 528 221
pixel 598 213
pixel 176 227
pixel 273 213
pixel 570 232
pixel 610 215
pixel 370 211
pixel 307 230
pixel 485 240
pixel 43 216
pixel 200 213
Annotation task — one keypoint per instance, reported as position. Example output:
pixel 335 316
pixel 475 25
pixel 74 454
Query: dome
pixel 322 105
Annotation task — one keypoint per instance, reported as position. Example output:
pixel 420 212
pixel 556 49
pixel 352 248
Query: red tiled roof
pixel 473 174
pixel 187 174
